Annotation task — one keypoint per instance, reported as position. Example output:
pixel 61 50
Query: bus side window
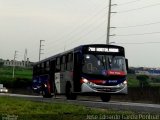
pixel 35 70
pixel 70 62
pixel 52 65
pixel 47 66
pixel 42 68
pixel 63 63
pixel 38 69
pixel 58 68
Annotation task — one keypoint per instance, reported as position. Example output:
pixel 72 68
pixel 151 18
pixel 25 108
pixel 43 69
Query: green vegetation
pixel 143 80
pixel 146 81
pixel 132 80
pixel 28 110
pixel 22 78
pixel 19 72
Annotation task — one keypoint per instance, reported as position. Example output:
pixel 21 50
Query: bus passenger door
pixel 77 72
pixel 52 75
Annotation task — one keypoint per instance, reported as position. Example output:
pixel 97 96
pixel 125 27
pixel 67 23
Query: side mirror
pixel 126 60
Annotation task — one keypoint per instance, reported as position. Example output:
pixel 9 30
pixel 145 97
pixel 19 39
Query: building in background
pixel 25 64
pixel 147 71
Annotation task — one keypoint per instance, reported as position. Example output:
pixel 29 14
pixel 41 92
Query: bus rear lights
pixel 45 85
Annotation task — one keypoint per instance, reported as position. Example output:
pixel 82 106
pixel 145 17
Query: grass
pixel 29 110
pixel 23 77
pixel 19 73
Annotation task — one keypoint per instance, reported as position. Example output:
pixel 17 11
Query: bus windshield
pixel 100 64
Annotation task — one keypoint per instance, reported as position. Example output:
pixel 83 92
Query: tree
pixel 143 80
pixel 1 63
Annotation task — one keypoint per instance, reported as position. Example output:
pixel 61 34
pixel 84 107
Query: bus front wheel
pixel 105 97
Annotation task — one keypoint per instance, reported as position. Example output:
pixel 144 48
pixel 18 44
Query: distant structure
pixel 24 64
pixel 146 71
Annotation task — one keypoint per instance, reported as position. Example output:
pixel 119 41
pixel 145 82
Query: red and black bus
pixel 95 69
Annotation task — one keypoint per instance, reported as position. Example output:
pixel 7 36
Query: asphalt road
pixel 115 105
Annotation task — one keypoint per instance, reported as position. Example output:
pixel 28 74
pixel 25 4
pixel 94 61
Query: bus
pixel 94 69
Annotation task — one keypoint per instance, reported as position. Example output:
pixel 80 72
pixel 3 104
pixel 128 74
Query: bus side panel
pixel 61 78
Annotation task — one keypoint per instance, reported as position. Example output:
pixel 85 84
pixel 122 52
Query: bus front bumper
pixel 91 88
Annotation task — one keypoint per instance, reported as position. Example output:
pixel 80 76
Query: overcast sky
pixel 65 24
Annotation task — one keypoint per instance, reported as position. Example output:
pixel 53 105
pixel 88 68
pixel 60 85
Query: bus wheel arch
pixel 45 93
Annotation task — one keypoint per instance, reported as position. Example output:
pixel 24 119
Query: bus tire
pixel 69 94
pixel 45 95
pixel 105 97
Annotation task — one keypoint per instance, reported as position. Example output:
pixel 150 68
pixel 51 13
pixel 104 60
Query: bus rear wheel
pixel 105 97
pixel 69 94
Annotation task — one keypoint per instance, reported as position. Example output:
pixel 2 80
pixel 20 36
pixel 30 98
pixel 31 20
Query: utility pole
pixel 14 60
pixel 25 57
pixel 40 49
pixel 109 19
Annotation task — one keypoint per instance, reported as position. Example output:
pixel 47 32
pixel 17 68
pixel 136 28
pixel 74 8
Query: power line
pixel 130 10
pixel 140 34
pixel 79 29
pixel 140 43
pixel 126 3
pixel 88 32
pixel 82 24
pixel 74 30
pixel 140 25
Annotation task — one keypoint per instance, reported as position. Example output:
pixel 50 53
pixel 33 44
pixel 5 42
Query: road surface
pixel 116 105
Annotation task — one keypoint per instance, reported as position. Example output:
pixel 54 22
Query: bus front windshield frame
pixel 98 64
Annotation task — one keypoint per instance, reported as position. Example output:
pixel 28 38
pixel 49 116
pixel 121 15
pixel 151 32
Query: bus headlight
pixel 125 82
pixel 84 80
pixel 6 90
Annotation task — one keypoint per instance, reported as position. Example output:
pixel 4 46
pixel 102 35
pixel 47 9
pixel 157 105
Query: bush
pixel 21 83
pixel 6 81
pixel 143 80
pixel 155 79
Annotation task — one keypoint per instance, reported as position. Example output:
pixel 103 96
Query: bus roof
pixel 77 48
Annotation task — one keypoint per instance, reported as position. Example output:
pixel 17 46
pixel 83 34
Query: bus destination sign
pixel 100 49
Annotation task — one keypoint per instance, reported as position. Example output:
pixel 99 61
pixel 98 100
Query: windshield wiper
pixel 109 63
